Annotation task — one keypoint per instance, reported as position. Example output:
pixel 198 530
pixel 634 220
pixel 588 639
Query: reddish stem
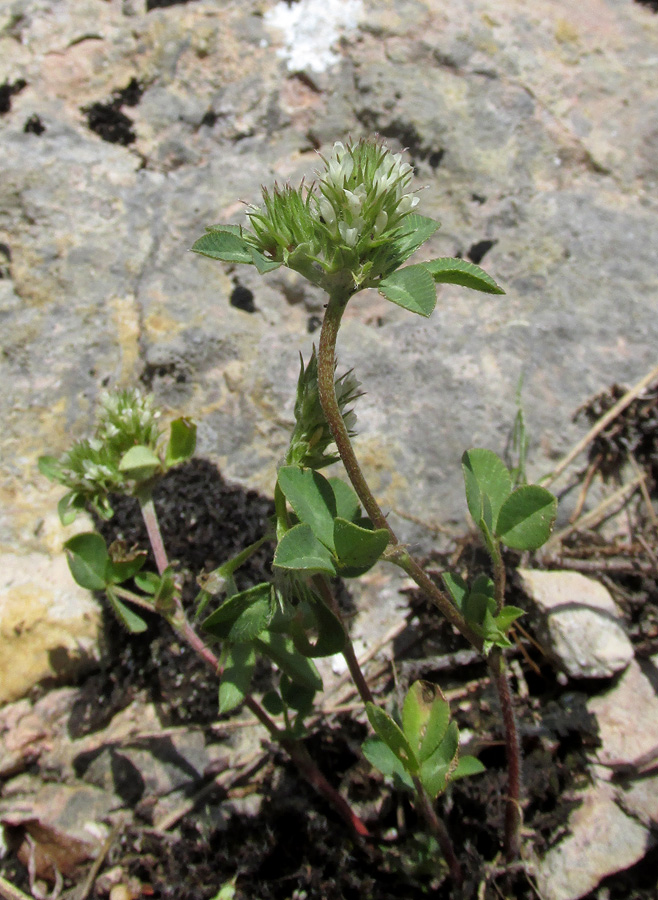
pixel 512 840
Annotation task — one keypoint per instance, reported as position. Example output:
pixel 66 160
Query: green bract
pixel 311 435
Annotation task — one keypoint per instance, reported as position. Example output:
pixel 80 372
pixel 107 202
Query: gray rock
pixel 602 839
pixel 628 716
pixel 580 622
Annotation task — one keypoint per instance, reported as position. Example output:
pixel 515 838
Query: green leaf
pixel 298 668
pixel 50 467
pixel 139 463
pixel 296 696
pixel 299 550
pixel 446 270
pixel 236 677
pixel 347 502
pixel 88 558
pixel 148 582
pixel 243 616
pixel 475 608
pixel 262 263
pixel 182 442
pixel 467 765
pixel 273 703
pixel 412 288
pixel 312 498
pixel 457 587
pixel 507 616
pixel 425 718
pixel 417 230
pixel 224 242
pixel 119 570
pixel 390 732
pixel 382 757
pixel 486 479
pixel 129 619
pixel 331 634
pixel 437 767
pixel 526 519
pixel 163 597
pixel 69 507
pixel 357 549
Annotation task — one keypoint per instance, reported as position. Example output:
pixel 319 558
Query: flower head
pixel 91 469
pixel 338 231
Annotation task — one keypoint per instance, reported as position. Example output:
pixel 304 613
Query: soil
pixel 296 847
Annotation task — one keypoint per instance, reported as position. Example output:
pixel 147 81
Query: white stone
pixel 602 839
pixel 581 622
pixel 49 627
pixel 628 719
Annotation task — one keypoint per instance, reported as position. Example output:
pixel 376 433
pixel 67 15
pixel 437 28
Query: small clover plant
pixel 353 228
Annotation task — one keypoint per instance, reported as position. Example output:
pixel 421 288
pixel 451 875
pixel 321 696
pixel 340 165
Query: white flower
pixel 327 211
pixel 407 203
pixel 349 235
pixel 380 222
pixel 339 166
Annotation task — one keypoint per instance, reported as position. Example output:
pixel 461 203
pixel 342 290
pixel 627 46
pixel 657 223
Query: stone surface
pixel 580 621
pixel 602 839
pixel 62 825
pixel 50 629
pixel 628 716
pixel 531 127
pixel 27 730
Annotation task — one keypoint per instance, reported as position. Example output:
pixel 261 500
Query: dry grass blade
pixel 594 516
pixel 599 426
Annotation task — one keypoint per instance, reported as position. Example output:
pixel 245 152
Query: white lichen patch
pixel 310 30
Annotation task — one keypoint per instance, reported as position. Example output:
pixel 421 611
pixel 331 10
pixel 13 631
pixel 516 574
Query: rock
pixel 27 730
pixel 50 629
pixel 640 799
pixel 602 839
pixel 62 825
pixel 513 125
pixel 580 622
pixel 627 715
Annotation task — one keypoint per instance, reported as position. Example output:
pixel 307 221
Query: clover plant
pixel 353 228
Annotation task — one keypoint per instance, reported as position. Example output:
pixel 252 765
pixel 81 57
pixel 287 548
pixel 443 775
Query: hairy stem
pixel 395 552
pixel 500 577
pixel 512 840
pixel 439 830
pixel 296 750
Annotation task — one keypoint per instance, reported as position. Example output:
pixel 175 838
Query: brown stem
pixel 348 650
pixel 512 840
pixel 500 577
pixel 331 409
pixel 439 830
